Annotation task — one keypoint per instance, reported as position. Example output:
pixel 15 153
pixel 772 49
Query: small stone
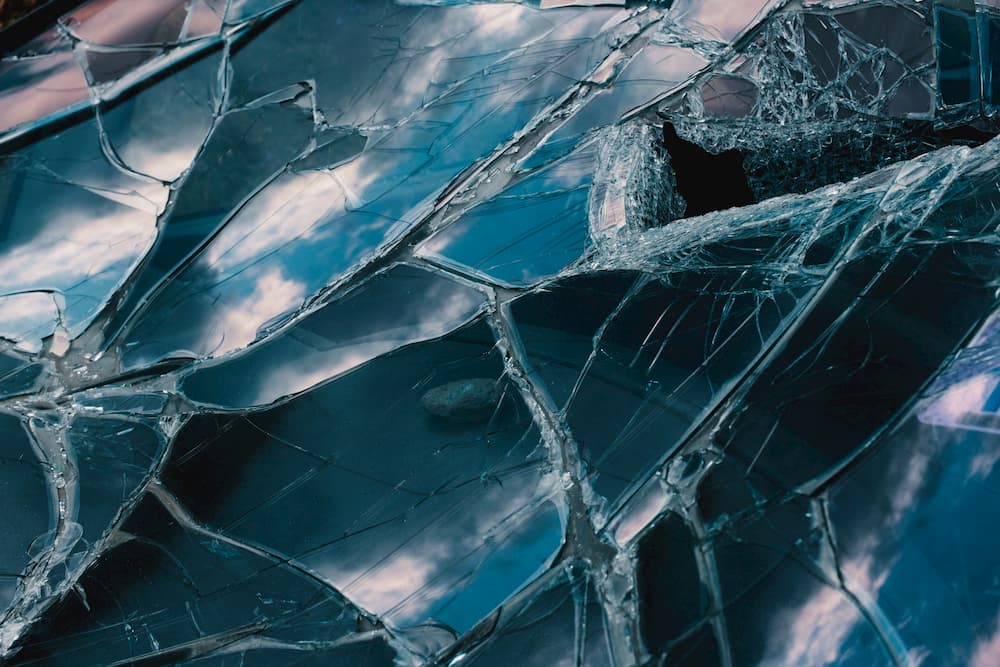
pixel 463 401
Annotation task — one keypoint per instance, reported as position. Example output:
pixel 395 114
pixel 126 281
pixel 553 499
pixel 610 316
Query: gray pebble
pixel 463 401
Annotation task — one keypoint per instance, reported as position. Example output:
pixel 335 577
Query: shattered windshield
pixel 481 333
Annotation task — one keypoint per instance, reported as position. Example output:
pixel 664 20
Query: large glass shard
pixel 718 19
pixel 356 69
pixel 34 86
pixel 28 317
pixel 113 456
pixel 651 362
pixel 226 295
pixel 937 484
pixel 792 617
pixel 659 363
pixel 145 22
pixel 170 591
pixel 160 130
pixel 795 427
pixel 934 474
pixel 529 231
pixel 440 518
pixel 401 306
pixel 561 624
pixel 245 148
pixel 558 334
pixel 47 246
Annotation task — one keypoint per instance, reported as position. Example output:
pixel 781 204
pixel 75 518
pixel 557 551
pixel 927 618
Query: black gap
pixel 706 181
pixel 796 165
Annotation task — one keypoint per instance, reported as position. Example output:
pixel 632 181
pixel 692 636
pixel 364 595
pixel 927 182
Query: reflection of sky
pixel 817 634
pixel 122 22
pixel 649 502
pixel 530 230
pixel 395 308
pixel 718 19
pixel 28 317
pixel 160 130
pixel 409 515
pixel 915 540
pixel 976 395
pixel 475 556
pixel 970 388
pixel 308 226
pixel 490 71
pixel 35 87
pixel 82 255
pixel 916 526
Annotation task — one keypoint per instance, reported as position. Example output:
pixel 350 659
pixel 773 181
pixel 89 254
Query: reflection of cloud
pixel 982 465
pixel 440 309
pixel 489 28
pixel 813 633
pixel 640 514
pixel 406 573
pixel 862 571
pixel 27 318
pixel 80 253
pixel 273 295
pixel 908 489
pixel 127 22
pixel 959 400
pixel 50 83
pixel 865 571
pixel 161 161
pixel 287 209
pixel 953 407
pixel 450 545
pixel 498 22
pixel 986 652
pixel 359 174
pixel 307 371
pixel 719 19
pixel 74 247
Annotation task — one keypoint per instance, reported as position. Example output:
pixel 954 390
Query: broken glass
pixel 463 332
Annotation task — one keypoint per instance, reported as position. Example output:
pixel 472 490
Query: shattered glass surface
pixel 468 332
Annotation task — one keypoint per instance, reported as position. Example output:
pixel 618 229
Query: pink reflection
pixel 987 651
pixel 32 88
pixel 727 96
pixel 105 66
pixel 719 19
pixel 122 22
pixel 49 41
pixel 649 503
pixel 202 21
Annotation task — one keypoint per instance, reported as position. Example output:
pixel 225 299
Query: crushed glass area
pixel 407 332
